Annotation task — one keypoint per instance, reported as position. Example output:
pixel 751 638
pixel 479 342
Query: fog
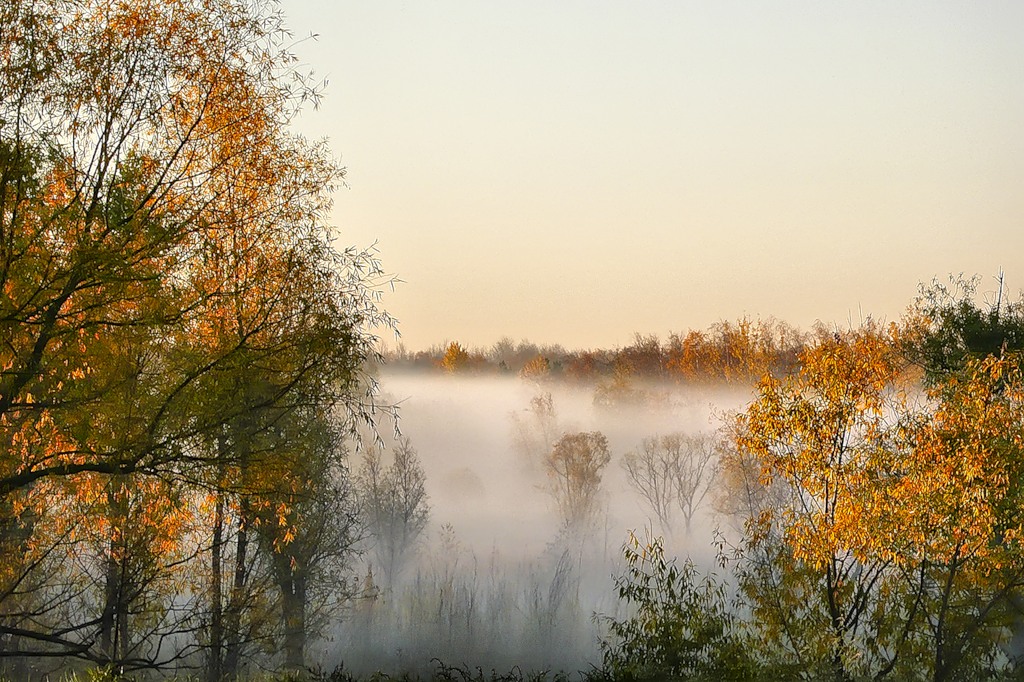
pixel 498 579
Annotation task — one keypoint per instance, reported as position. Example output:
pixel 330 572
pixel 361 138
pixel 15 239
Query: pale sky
pixel 575 172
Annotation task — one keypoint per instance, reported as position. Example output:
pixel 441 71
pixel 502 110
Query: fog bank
pixel 498 579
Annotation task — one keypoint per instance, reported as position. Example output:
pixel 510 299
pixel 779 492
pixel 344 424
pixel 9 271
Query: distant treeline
pixel 730 352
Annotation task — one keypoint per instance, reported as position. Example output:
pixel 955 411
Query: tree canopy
pixel 173 314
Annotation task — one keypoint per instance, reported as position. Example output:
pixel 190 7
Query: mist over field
pixel 497 579
pixel 464 431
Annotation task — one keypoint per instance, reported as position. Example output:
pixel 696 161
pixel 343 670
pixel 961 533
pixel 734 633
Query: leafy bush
pixel 681 627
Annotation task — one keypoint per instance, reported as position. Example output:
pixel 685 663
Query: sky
pixel 577 172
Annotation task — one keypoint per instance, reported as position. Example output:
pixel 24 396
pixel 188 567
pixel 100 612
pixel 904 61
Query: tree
pixel 574 468
pixel 393 502
pixel 307 528
pixel 895 551
pixel 673 472
pixel 681 626
pixel 538 369
pixel 970 354
pixel 948 517
pixel 535 429
pixel 695 473
pixel 741 494
pixel 738 351
pixel 816 590
pixel 171 294
pixel 652 473
pixel 139 565
pixel 456 358
pixel 644 357
pixel 947 327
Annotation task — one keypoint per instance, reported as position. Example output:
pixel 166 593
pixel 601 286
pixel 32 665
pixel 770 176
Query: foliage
pixel 895 547
pixel 728 352
pixel 886 538
pixel 173 314
pixel 537 369
pixel 574 468
pixel 456 358
pixel 947 327
pixel 813 585
pixel 741 495
pixel 949 519
pixel 681 628
pixel 308 532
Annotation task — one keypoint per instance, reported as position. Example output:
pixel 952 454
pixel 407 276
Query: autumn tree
pixel 895 551
pixel 817 591
pixel 285 320
pixel 644 357
pixel 947 515
pixel 574 467
pixel 307 528
pixel 538 369
pixel 456 358
pixel 692 357
pixel 170 294
pixel 882 534
pixel 739 351
pixel 303 364
pixel 586 366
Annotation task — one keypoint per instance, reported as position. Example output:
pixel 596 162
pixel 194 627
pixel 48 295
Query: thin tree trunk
pixel 121 618
pixel 237 599
pixel 109 604
pixel 293 605
pixel 127 592
pixel 233 616
pixel 111 589
pixel 214 669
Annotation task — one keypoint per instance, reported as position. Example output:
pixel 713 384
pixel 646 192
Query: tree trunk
pixel 113 589
pixel 236 603
pixel 293 607
pixel 121 617
pixel 110 591
pixel 214 668
pixel 237 599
